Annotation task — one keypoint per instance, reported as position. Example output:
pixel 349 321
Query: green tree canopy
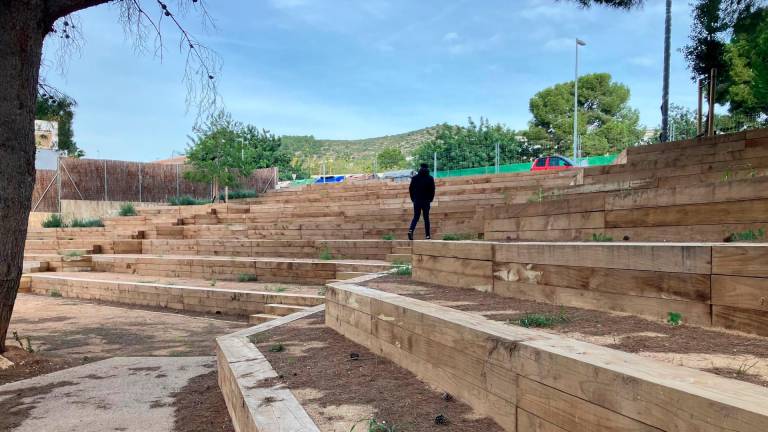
pixel 224 150
pixel 747 59
pixel 62 111
pixel 473 145
pixel 606 121
pixel 390 157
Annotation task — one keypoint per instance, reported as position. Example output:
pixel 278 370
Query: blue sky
pixel 349 69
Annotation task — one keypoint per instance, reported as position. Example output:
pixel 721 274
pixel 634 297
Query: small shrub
pixel 185 201
pixel 278 347
pixel 601 237
pixel 541 320
pixel 240 194
pixel 127 209
pixel 56 293
pixel 404 270
pixel 87 223
pixel 459 236
pixel 749 235
pixel 389 236
pixel 54 221
pixel 326 254
pixel 674 318
pixel 373 425
pixel 245 277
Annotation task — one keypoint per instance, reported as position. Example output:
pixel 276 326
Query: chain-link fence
pixel 108 180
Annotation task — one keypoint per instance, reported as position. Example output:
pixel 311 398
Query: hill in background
pixel 308 147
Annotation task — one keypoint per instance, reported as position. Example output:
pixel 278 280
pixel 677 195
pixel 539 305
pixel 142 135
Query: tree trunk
pixel 22 30
pixel 665 86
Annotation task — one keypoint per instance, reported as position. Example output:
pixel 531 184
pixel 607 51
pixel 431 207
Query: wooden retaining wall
pixel 723 285
pixel 531 381
pixel 177 297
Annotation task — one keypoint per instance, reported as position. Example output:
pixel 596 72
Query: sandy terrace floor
pixel 726 353
pixel 340 392
pixel 201 283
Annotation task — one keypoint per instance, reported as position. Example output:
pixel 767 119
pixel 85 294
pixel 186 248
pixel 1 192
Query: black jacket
pixel 422 187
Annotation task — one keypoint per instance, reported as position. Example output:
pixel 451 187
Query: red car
pixel 551 163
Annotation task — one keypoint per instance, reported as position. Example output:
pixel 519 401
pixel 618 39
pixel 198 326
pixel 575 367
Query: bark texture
pixel 22 29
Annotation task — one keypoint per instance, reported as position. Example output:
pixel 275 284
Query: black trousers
pixel 419 208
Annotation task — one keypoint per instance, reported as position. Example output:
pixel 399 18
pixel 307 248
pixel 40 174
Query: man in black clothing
pixel 422 191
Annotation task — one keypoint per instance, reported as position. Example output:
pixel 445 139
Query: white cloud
pixel 451 37
pixel 560 44
pixel 644 61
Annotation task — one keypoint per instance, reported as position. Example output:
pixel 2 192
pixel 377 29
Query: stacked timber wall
pixel 534 381
pixel 722 285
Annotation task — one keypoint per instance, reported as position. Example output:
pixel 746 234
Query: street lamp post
pixel 579 43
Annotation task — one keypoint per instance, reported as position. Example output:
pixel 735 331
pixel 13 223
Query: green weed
pixel 54 221
pixel 276 348
pixel 127 209
pixel 73 254
pixel 459 236
pixel 87 223
pixel 541 320
pixel 28 347
pixel 326 254
pixel 321 291
pixel 213 282
pixel 245 277
pixel 748 235
pixel 601 237
pixel 389 236
pixel 55 293
pixel 727 175
pixel 375 426
pixel 404 270
pixel 744 368
pixel 674 318
pixel 240 194
pixel 281 289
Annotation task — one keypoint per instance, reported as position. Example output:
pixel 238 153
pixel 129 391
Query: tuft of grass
pixel 54 221
pixel 388 236
pixel 276 348
pixel 374 425
pixel 87 223
pixel 601 237
pixel 213 282
pixel 73 254
pixel 127 209
pixel 281 289
pixel 745 367
pixel 727 175
pixel 20 340
pixel 459 236
pixel 55 293
pixel 185 201
pixel 321 291
pixel 749 235
pixel 245 277
pixel 674 318
pixel 326 254
pixel 537 320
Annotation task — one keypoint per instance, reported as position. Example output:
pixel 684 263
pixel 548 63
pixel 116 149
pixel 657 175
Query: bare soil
pixel 730 354
pixel 28 365
pixel 339 391
pixel 199 406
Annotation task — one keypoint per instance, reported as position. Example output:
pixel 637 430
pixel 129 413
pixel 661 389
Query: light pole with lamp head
pixel 579 43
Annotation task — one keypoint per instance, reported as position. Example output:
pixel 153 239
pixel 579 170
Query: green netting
pixel 511 168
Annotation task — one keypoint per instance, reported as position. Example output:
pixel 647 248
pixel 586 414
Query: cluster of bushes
pixel 56 221
pixel 186 201
pixel 240 194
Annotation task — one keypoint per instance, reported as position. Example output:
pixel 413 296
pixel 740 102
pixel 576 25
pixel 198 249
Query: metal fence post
pixel 434 165
pixel 106 196
pixel 58 182
pixel 140 165
pixel 177 180
pixel 498 154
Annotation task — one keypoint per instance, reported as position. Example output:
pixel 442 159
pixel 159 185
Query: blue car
pixel 329 179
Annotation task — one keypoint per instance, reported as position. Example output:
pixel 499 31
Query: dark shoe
pixel 410 235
